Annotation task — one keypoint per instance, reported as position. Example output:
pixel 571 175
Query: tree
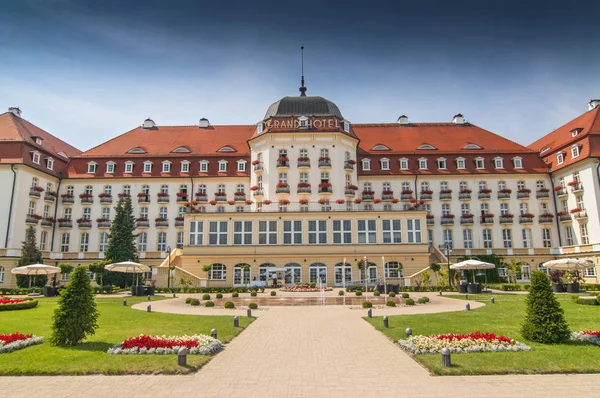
pixel 76 316
pixel 435 267
pixel 121 245
pixel 513 268
pixel 30 254
pixel 544 321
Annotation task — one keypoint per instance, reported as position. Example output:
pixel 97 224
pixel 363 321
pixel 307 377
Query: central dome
pixel 303 106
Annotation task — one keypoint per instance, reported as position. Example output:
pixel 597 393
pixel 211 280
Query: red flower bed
pixel 4 300
pixel 475 335
pixel 152 342
pixel 595 333
pixel 11 338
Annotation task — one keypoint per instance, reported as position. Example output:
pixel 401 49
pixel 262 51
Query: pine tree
pixel 30 254
pixel 121 245
pixel 544 321
pixel 76 316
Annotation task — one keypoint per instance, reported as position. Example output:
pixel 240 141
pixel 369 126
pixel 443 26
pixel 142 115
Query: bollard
pixel 468 307
pixel 149 309
pixel 182 356
pixel 385 322
pixel 148 297
pixel 467 296
pixel 173 294
pixel 236 322
pixel 249 313
pixel 493 300
pixel 125 303
pixel 440 293
pixel 213 333
pixel 370 313
pixel 408 332
pixel 446 358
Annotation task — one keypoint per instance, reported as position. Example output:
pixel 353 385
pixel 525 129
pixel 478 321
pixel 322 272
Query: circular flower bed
pixel 461 343
pixel 305 288
pixel 8 304
pixel 16 341
pixel 198 344
pixel 587 336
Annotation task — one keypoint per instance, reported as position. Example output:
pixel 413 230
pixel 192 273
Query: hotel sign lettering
pixel 329 123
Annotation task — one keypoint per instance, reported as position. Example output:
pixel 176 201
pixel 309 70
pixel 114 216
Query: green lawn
pixel 504 318
pixel 116 323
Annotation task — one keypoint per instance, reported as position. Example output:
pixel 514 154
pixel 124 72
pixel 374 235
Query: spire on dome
pixel 302 88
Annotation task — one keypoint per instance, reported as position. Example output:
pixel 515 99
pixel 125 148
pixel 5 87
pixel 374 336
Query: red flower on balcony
pixel 303 201
pixel 576 210
pixel 573 183
pixel 282 159
pixel 160 219
pixel 85 195
pixel 124 195
pixel 427 192
pixel 340 201
pixel 213 202
pixel 324 185
pixel 487 215
pixel 429 217
pixel 505 190
pixel 182 194
pixel 352 161
pixel 395 200
pixel 324 159
pixel 220 194
pixel 352 187
pixel 64 219
pixel 466 191
pixel 546 215
pixel 447 215
pixel 303 185
pixel 322 201
pixel 51 193
pixel 231 202
pixel 284 202
pixel 368 192
pixel 527 215
pixel 140 219
pixel 38 188
pixel 445 191
pixel 524 190
pixel 358 200
pixel 254 188
pixel 558 188
pixel 83 220
pixel 467 216
pixel 376 200
pixel 104 195
pixel 142 195
pixel 102 220
pixel 485 190
pixel 387 192
pixel 66 196
pixel 562 213
pixel 304 159
pixel 162 194
pixel 35 216
pixel 266 202
pixel 282 185
pixel 412 200
pixel 249 202
pixel 240 193
pixel 507 215
pixel 406 192
pixel 255 162
pixel 179 218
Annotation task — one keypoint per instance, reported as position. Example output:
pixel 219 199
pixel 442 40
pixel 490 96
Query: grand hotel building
pixel 303 190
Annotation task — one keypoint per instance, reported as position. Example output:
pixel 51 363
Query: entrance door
pixel 372 275
pixel 340 272
pixel 293 273
pixel 525 273
pixel 241 276
pixel 318 271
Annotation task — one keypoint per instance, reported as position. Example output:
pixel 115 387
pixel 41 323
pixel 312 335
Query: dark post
pixel 125 303
pixel 446 358
pixel 370 313
pixel 468 307
pixel 182 356
pixel 169 268
pixel 149 309
pixel 148 297
pixel 408 332
pixel 385 322
pixel 236 322
pixel 249 311
pixel 493 300
pixel 213 333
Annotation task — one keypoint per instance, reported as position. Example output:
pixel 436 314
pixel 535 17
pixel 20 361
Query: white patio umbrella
pixel 35 269
pixel 569 264
pixel 128 266
pixel 472 265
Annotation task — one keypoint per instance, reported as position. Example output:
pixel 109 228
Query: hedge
pixel 19 306
pixel 587 300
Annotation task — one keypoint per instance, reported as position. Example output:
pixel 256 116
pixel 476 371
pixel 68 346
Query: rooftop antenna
pixel 302 88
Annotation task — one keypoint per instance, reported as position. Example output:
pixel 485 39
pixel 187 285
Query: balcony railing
pixel 179 222
pixel 283 163
pixel 143 223
pixel 368 196
pixel 65 223
pixel 576 187
pixel 67 199
pixel 486 219
pixel 220 197
pixel 430 221
pixel 504 195
pixel 445 195
pixel 47 222
pixel 349 192
pixel 348 165
pixel 86 198
pixel 387 196
pixel 103 223
pixel 542 194
pixel 327 189
pixel 306 207
pixel 32 219
pixel 182 198
pixel 285 189
pixel 84 223
pixel 324 162
pixel 201 197
pixel 162 198
pixel 239 196
pixel 144 198
pixel 303 163
pixel 447 220
pixel 561 192
pixel 466 220
pixel 162 223
pixel 304 189
pixel 258 167
pixel 35 192
pixel 546 218
pixel 406 196
pixel 106 198
pixel 580 214
pixel 484 195
pixel 464 195
pixel 506 219
pixel 425 195
pixel 525 219
pixel 523 194
pixel 564 217
pixel 258 192
pixel 50 196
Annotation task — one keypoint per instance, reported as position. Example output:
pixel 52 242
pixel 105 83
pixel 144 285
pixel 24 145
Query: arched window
pixel 202 189
pixel 241 274
pixel 393 269
pixel 293 273
pixel 34 182
pixel 343 271
pixel 318 271
pixel 264 271
pixel 218 272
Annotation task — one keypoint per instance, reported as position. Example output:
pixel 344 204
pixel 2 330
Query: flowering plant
pixel 197 344
pixel 487 215
pixel 282 185
pixel 248 202
pixel 485 190
pixel 213 202
pixel 220 194
pixel 182 194
pixel 322 201
pixel 507 215
pixel 543 190
pixel 231 202
pixel 324 159
pixel 558 188
pixel 324 185
pixel 142 195
pixel 465 191
pixel 85 196
pixel 352 161
pixel 256 161
pixel 16 341
pixel 254 187
pixel 353 187
pixel 406 192
pixel 430 216
pixel 395 200
pixel 524 190
pixel 445 191
pixel 124 195
pixel 162 194
pixel 340 201
pixel 83 220
pixel 38 188
pixel 505 190
pixel 104 195
pixel 387 192
pixel 461 343
pixel 365 192
pixel 447 215
pixel 562 213
pixel 102 219
pixel 467 216
pixel 587 336
pixel 240 193
pixel 305 288
pixel 5 300
pixel 282 159
pixel 573 183
pixel 66 195
pixel 427 192
pixel 376 200
pixel 303 185
pixel 357 200
pixel 527 215
pixel 576 210
pixel 284 202
pixel 303 159
pixel 266 202
pixel 303 201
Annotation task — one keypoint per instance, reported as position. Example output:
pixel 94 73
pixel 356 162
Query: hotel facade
pixel 306 192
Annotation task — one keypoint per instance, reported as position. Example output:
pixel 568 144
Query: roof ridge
pixel 106 142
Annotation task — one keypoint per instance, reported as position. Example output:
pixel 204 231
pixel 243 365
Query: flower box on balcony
pixel 523 193
pixel 325 187
pixel 84 223
pixel 239 196
pixel 231 202
pixel 324 161
pixel 50 196
pixel 466 219
pixel 348 191
pixel 575 186
pixel 487 218
pixel 542 193
pixel 32 218
pixel 465 194
pixel 36 191
pixel 86 198
pixel 143 197
pixel 161 222
pixel 179 221
pixel 220 196
pixel 47 222
pixel 282 161
pixel 368 195
pixel 249 202
pixel 284 202
pixel 526 218
pixel 358 200
pixel 258 192
pixel 103 222
pixel 387 194
pixel 544 218
pixel 266 202
pixel 123 196
pixel 506 218
pixel 65 223
pixel 426 194
pixel 67 198
pixel 303 201
pixel 447 219
pixel 258 166
pixel 376 200
pixel 340 201
pixel 349 164
pixel 142 222
pixel 105 197
pixel 303 161
pixel 182 196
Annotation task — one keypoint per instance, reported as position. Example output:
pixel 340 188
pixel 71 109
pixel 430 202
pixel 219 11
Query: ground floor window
pixel 393 269
pixel 293 273
pixel 263 271
pixel 342 272
pixel 218 272
pixel 316 271
pixel 241 274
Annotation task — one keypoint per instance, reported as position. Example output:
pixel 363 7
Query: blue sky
pixel 87 71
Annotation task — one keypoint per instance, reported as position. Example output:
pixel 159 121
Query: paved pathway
pixel 306 352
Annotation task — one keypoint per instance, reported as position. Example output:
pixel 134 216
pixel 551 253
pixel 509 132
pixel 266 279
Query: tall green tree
pixel 544 321
pixel 30 254
pixel 76 316
pixel 121 245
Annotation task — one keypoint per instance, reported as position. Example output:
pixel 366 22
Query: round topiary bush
pixel 229 305
pixel 405 295
pixel 273 293
pixel 390 303
pixel 426 299
pixel 253 306
pixel 188 300
pixel 358 293
pixel 410 301
pixel 206 297
pixel 376 293
pixel 194 302
pixel 235 294
pixel 341 293
pixel 253 294
pixel 367 304
pixel 392 294
pixel 422 300
pixel 219 295
pixel 209 304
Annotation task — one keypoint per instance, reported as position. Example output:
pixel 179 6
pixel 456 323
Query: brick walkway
pixel 306 352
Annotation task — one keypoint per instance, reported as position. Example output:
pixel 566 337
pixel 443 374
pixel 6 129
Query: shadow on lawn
pixel 101 346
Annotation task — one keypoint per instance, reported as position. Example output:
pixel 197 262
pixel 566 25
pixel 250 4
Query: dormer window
pixel 185 166
pixel 380 147
pixel 129 167
pixel 403 164
pixel 366 164
pixel 166 166
pixel 422 164
pixel 385 164
pixel 110 167
pixel 50 164
pixel 472 146
pixel 498 163
pixel 136 150
pixel 441 164
pixel 560 158
pixel 222 166
pixel 460 163
pixel 204 166
pixel 303 122
pixel 38 140
pixel 226 148
pixel 260 128
pixel 92 166
pixel 64 155
pixel 241 166
pixel 181 149
pixel 575 132
pixel 575 151
pixel 346 126
pixel 479 163
pixel 427 147
pixel 147 166
pixel 35 157
pixel 517 162
pixel 544 149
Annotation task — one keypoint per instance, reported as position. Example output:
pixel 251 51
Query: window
pixel 292 232
pixel 485 208
pixel 560 158
pixel 317 232
pixel 579 200
pixel 520 185
pixel 465 209
pixel 576 176
pixel 50 163
pixel 162 213
pixel 107 189
pixel 68 213
pixel 393 269
pixel 342 232
pixel 518 163
pixel 385 164
pixel 64 242
pixel 180 239
pixel 523 208
pixel 222 166
pixel 527 238
pixel 324 153
pixel 422 164
pixel 427 146
pixel 317 273
pixel 164 188
pixel 564 205
pixel 546 237
pixel 106 213
pixel 283 178
pixel 405 186
pixel 31 210
pixel 444 186
pixel 499 163
pixel 487 238
pixel 392 231
pixel 88 190
pixel 501 185
pixel 585 239
pixel 403 164
pixel 110 167
pixel 482 185
pixel 92 166
pixel 162 242
pixel 479 163
pixel 267 232
pixel 503 209
pixel 36 158
pixel 142 241
pixel 589 272
pixel 367 232
pixel 569 235
pixel 166 166
pixel 185 166
pixel 127 189
pixel 202 189
pixel 196 233
pixel 103 242
pixel 283 153
pixel 468 238
pixel 218 272
pixel 87 213
pixel 507 238
pixel 304 178
pixel 540 184
pixel 387 186
pixel 144 213
pixel 413 227
pixel 346 126
pixel 463 185
pixel 217 233
pixel 242 233
pixel 366 164
pixel 204 166
pixel 460 163
pixel 84 242
pixel 448 238
pixel 445 209
pixel 424 186
pixel 221 188
pixel 441 164
pixel 367 187
pixel 43 240
pixel 148 167
pixel 575 151
pixel 304 153
pixel 129 167
pixel 145 189
pixel 1 274
pixel 241 165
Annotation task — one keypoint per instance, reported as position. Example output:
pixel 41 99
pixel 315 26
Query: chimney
pixel 458 119
pixel 591 105
pixel 402 119
pixel 15 111
pixel 204 123
pixel 148 124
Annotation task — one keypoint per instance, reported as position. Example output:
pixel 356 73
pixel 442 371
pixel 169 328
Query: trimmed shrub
pixel 405 295
pixel 410 301
pixel 253 306
pixel 206 297
pixel 219 295
pixel 229 305
pixel 422 300
pixel 188 300
pixel 367 304
pixel 273 293
pixel 194 302
pixel 253 294
pixel 587 300
pixel 358 293
pixel 376 293
pixel 544 320
pixel 392 294
pixel 262 289
pixel 235 294
pixel 341 293
pixel 209 304
pixel 426 299
pixel 390 303
pixel 19 306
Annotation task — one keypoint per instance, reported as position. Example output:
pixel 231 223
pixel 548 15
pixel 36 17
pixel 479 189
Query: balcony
pixel 576 186
pixel 123 196
pixel 546 218
pixel 464 195
pixel 258 166
pixel 504 193
pixel 563 216
pixel 523 193
pixel 220 196
pixel 325 188
pixel 579 213
pixel 142 223
pixel 65 223
pixel 86 198
pixel 485 194
pixel 103 223
pixel 282 188
pixel 283 162
pixel 324 162
pixel 32 219
pixel 542 193
pixel 143 198
pixel 179 221
pixel 368 195
pixel 447 219
pixel 349 165
pixel 36 192
pixel 182 197
pixel 349 191
pixel 466 219
pixel 303 163
pixel 560 191
pixel 201 197
pixel 47 222
pixel 430 220
pixel 162 197
pixel 105 198
pixel 526 218
pixel 67 199
pixel 506 218
pixel 239 196
pixel 304 188
pixel 161 222
pixel 387 195
pixel 446 194
pixel 487 219
pixel 258 192
pixel 426 195
pixel 406 194
pixel 84 223
pixel 50 196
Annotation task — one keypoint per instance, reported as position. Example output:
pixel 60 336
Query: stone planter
pixel 558 287
pixel 50 291
pixel 572 288
pixel 462 288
